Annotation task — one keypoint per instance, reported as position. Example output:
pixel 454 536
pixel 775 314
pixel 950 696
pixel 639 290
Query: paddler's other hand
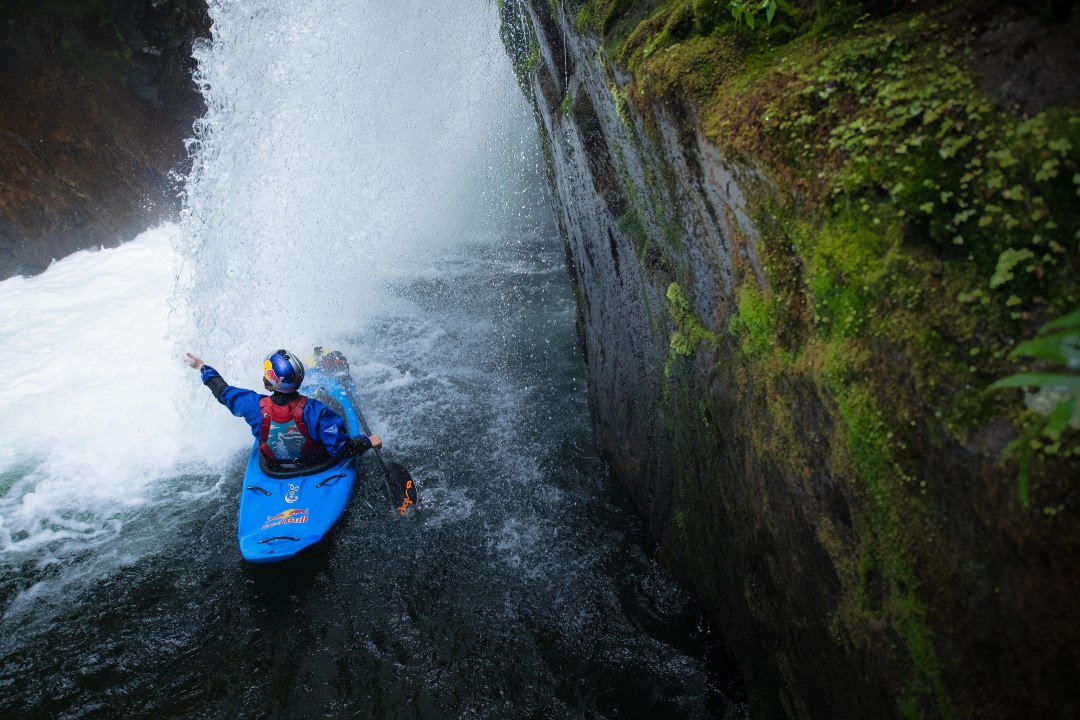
pixel 194 361
pixel 358 445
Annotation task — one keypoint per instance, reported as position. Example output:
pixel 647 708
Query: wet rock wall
pixel 97 101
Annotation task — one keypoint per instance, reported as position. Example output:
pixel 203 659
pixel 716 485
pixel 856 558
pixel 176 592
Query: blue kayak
pixel 284 510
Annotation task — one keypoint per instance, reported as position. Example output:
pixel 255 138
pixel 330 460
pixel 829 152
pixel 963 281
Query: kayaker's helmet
pixel 282 372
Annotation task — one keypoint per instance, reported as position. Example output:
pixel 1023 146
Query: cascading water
pixel 366 178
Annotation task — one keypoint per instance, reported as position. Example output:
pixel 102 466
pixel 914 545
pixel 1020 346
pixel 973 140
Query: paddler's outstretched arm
pixel 240 402
pixel 210 377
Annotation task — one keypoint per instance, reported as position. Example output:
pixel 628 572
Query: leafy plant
pixel 1057 397
pixel 746 11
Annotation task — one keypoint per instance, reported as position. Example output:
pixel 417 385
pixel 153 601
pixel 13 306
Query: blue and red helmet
pixel 282 372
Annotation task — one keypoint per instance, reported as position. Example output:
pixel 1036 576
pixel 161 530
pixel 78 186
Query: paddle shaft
pixel 367 431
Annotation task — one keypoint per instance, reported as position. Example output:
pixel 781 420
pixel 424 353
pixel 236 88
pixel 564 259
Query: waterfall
pixel 347 145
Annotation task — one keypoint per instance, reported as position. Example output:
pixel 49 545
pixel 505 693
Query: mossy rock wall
pixel 802 254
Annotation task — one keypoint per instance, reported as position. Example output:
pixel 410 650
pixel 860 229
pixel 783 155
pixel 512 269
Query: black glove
pixel 355 446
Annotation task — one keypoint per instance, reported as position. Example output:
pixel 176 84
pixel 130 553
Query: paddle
pixel 397 477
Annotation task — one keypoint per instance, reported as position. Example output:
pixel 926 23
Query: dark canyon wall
pixel 802 253
pixel 97 101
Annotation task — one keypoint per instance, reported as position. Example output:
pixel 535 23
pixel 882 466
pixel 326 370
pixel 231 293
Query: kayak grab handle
pixel 278 537
pixel 326 480
pixel 259 489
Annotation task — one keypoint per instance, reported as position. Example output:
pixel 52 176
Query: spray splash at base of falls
pixel 358 183
pixel 91 396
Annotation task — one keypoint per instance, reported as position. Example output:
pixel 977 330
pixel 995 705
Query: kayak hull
pixel 281 516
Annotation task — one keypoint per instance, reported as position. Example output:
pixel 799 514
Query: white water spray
pixel 345 142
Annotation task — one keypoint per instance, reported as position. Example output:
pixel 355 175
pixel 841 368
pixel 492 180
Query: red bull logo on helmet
pixel 269 373
pixel 292 516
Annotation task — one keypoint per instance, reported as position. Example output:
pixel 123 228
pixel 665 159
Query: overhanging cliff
pixel 802 254
pixel 98 99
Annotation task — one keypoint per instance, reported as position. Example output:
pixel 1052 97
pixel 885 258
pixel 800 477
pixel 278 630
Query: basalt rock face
pixel 674 441
pixel 859 560
pixel 98 100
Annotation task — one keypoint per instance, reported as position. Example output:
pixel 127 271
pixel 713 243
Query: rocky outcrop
pixel 794 290
pixel 98 99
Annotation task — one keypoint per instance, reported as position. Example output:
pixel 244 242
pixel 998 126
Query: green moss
pixel 849 271
pixel 619 99
pixel 694 542
pixel 940 220
pixel 689 330
pixel 533 58
pixel 754 321
pixel 584 19
pixel 686 336
pixel 887 555
pixel 519 37
pixel 629 223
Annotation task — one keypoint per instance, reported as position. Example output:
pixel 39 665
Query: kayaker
pixel 290 427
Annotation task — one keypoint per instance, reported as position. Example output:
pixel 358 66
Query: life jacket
pixel 284 436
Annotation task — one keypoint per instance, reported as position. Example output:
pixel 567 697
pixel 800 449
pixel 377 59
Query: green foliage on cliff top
pixel 941 224
pixel 973 210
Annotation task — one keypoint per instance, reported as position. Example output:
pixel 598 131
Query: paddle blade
pixel 402 487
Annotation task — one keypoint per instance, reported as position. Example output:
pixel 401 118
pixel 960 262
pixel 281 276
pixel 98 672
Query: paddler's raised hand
pixel 194 361
pixel 376 441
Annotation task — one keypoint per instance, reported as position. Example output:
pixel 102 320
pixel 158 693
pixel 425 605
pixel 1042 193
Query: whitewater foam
pixel 93 404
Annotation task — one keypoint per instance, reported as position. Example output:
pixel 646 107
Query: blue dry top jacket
pixel 324 425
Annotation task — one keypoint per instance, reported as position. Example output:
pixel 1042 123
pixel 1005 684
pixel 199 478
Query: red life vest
pixel 284 436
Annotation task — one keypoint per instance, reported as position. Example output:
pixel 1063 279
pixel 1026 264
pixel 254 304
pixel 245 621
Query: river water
pixel 366 178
